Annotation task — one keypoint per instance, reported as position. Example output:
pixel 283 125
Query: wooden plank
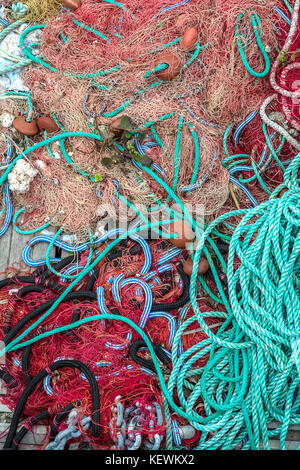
pixel 292 427
pixel 4 251
pixel 32 440
pixel 39 251
pixel 4 409
pixel 18 243
pixel 290 445
pixel 12 245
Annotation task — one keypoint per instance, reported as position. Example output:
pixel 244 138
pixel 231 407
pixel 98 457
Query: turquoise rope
pixel 255 21
pixel 51 244
pixel 117 4
pixel 158 68
pixel 197 153
pixel 168 44
pixel 288 6
pixel 198 49
pixel 48 141
pixel 21 62
pixel 41 61
pixel 128 102
pixel 10 28
pixel 88 28
pixel 177 154
pixel 142 217
pixel 27 232
pixel 164 117
pixel 78 279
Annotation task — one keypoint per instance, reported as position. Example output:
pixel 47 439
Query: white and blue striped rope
pixel 244 189
pixel 156 282
pixel 283 16
pixel 47 380
pixel 141 149
pixel 8 201
pixel 116 287
pixel 117 184
pixel 250 168
pixel 147 253
pixel 82 247
pixel 144 245
pixel 175 433
pixel 4 22
pixel 192 187
pixel 148 298
pixel 18 363
pixel 147 371
pixel 74 268
pixel 64 246
pixel 168 353
pixel 112 374
pixel 171 254
pixel 103 310
pixel 161 269
pixel 242 125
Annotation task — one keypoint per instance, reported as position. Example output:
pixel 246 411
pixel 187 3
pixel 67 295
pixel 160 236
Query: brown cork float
pixel 24 127
pixel 173 63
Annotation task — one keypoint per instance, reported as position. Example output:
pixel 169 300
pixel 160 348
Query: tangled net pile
pixel 115 111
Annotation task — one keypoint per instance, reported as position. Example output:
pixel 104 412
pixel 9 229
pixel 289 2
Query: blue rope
pixel 141 149
pixel 184 2
pixel 74 268
pixel 175 433
pixel 148 300
pixel 4 22
pixel 244 189
pixel 192 187
pixel 283 16
pixel 115 287
pixel 161 269
pixel 82 247
pixel 242 125
pixel 171 254
pixel 103 309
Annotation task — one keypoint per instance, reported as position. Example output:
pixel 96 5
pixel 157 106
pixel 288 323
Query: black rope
pixel 148 364
pixel 9 313
pixel 23 430
pixel 10 381
pixel 38 378
pixel 183 300
pixel 41 417
pixel 27 349
pixel 59 418
pixel 42 308
pixel 41 271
